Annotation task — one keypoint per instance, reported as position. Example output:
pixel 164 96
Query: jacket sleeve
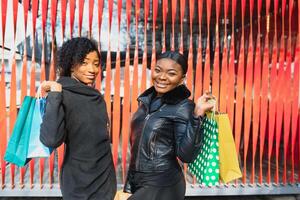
pixel 53 125
pixel 188 132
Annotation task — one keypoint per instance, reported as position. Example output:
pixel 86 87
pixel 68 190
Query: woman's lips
pixel 161 85
pixel 90 76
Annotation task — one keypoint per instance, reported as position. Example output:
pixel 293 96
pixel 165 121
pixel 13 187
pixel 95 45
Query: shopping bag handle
pixel 213 112
pixel 215 109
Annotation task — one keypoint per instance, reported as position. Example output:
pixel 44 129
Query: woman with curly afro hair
pixel 76 115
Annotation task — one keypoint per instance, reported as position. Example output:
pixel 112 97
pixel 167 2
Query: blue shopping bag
pixel 36 149
pixel 16 151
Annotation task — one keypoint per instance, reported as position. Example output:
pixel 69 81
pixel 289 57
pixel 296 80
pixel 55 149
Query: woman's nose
pixel 91 68
pixel 162 76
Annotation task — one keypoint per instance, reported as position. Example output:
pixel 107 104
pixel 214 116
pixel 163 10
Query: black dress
pixel 77 116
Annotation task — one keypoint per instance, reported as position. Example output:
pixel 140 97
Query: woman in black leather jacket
pixel 166 126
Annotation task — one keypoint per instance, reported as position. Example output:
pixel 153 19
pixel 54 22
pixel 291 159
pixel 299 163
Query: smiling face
pixel 166 76
pixel 87 71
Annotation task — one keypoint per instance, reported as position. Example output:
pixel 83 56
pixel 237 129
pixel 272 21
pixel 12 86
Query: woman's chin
pixel 89 83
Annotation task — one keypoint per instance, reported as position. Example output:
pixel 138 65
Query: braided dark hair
pixel 177 57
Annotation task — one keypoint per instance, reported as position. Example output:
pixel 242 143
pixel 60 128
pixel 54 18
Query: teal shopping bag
pixel 16 151
pixel 206 166
pixel 36 149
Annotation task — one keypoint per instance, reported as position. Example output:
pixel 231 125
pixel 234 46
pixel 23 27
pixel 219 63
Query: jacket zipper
pixel 139 147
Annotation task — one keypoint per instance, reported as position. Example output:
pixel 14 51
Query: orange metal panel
pixel 107 95
pixel 295 108
pixel 91 11
pixel 174 9
pixel 264 98
pixel 116 98
pixel 224 70
pixel 206 73
pixel 190 71
pixel 198 78
pixel 288 95
pixel 263 106
pixel 13 111
pixel 126 97
pixel 154 12
pixel 256 95
pixel 272 99
pixel 144 69
pixel 116 109
pixel 13 91
pixel 164 16
pixel 72 4
pixel 231 69
pixel 100 13
pixel 3 127
pixel 126 113
pixel 80 15
pixel 24 74
pixel 280 95
pixel 279 105
pixel 135 80
pixel 240 85
pixel 63 4
pixel 216 64
pixel 256 104
pixel 182 10
pixel 248 94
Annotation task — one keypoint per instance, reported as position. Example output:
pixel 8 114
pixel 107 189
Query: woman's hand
pixel 205 103
pixel 51 86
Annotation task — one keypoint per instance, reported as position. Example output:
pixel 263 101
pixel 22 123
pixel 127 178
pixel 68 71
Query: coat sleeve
pixel 188 132
pixel 53 125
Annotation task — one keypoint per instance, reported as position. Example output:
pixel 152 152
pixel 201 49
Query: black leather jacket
pixel 166 133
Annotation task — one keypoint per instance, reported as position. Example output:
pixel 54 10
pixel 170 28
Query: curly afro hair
pixel 73 52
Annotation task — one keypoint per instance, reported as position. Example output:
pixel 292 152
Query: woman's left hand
pixel 52 86
pixel 205 103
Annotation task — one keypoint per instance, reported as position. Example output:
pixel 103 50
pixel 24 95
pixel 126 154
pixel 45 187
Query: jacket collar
pixel 75 86
pixel 174 96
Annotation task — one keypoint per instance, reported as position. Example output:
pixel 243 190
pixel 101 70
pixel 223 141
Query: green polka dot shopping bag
pixel 206 166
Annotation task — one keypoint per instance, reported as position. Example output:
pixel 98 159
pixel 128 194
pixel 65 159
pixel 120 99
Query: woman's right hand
pixel 51 86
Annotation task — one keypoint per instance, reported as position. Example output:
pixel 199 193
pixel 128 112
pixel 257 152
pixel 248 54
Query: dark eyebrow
pixel 172 70
pixel 169 70
pixel 89 59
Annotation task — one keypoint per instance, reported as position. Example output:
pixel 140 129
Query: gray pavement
pixel 267 197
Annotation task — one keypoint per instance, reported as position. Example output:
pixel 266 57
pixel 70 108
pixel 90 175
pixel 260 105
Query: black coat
pixel 168 132
pixel 77 116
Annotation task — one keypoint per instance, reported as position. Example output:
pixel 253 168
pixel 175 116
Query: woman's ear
pixel 182 79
